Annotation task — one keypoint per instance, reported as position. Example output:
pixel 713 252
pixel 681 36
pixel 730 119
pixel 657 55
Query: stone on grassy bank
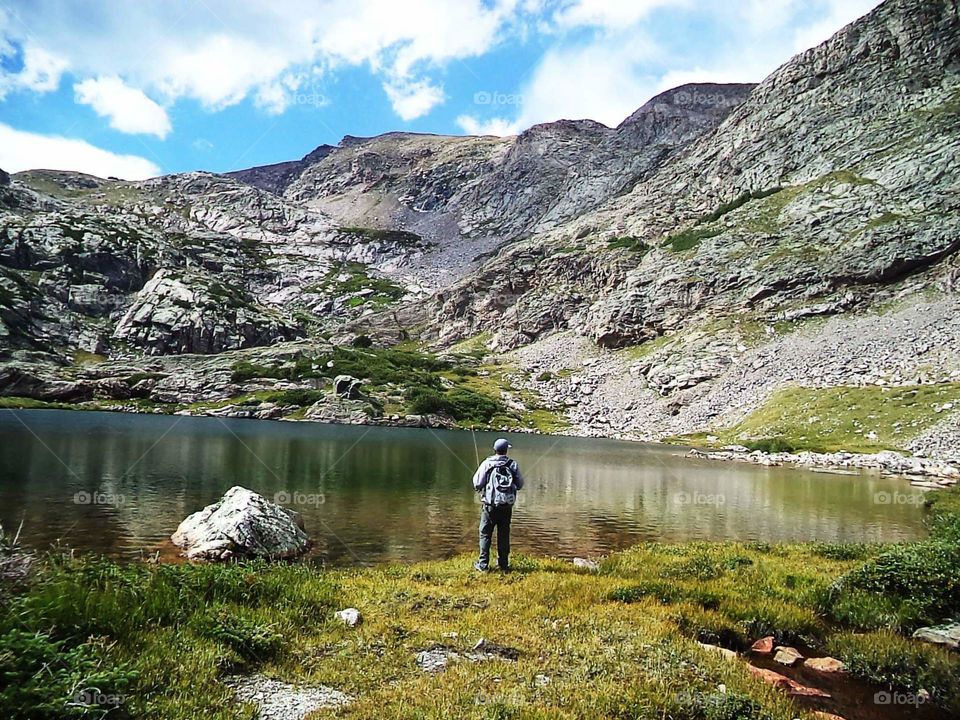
pixel 947 635
pixel 241 524
pixel 277 700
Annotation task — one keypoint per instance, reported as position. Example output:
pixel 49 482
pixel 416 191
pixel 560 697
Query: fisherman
pixel 497 480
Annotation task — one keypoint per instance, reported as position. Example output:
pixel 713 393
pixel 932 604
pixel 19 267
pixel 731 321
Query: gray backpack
pixel 501 485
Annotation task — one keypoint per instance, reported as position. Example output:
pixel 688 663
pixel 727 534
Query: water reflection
pixel 376 494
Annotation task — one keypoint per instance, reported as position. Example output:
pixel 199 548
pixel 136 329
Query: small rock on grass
pixel 435 660
pixel 276 700
pixel 788 656
pixel 825 665
pixel 727 654
pixel 586 564
pixel 350 617
pixel 763 646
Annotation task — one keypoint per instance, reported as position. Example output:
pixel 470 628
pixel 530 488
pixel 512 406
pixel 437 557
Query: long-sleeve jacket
pixel 482 475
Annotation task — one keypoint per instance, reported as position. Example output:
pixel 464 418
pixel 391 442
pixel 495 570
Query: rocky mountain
pixel 638 281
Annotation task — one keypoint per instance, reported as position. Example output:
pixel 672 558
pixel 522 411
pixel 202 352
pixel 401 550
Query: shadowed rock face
pixel 4 178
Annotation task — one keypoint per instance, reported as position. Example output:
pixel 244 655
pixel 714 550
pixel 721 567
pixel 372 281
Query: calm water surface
pixel 120 484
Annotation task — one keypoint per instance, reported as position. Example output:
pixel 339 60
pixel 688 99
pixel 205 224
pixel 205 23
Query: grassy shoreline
pixel 620 642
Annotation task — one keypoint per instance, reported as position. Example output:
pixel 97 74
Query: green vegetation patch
pixel 855 419
pixel 690 238
pixel 401 237
pixel 354 277
pixel 627 242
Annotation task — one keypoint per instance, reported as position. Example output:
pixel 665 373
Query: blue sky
pixel 135 89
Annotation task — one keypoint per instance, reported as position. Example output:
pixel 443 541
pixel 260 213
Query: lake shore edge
pixel 924 472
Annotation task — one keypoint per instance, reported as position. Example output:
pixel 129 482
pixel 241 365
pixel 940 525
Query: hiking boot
pixel 504 568
pixel 480 567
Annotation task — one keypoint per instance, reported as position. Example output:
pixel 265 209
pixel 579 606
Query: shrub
pixel 689 239
pixel 896 662
pixel 919 585
pixel 249 639
pixel 45 675
pixel 294 397
pixel 771 445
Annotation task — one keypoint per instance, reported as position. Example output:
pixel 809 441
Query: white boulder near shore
pixel 242 524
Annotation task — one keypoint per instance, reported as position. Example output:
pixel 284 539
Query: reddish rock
pixel 763 646
pixel 826 665
pixel 827 716
pixel 782 682
pixel 788 656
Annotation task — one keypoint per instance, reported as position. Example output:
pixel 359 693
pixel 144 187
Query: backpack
pixel 502 489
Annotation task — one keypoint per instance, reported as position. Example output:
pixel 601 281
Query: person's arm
pixel 518 476
pixel 480 477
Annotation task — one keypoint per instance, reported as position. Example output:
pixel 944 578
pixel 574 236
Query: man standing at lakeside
pixel 497 480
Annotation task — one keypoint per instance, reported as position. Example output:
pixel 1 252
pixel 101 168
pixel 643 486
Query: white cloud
pixel 21 150
pixel 494 126
pixel 412 99
pixel 604 81
pixel 610 14
pixel 41 70
pixel 129 110
pixel 221 52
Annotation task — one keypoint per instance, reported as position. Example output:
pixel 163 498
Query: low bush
pixel 900 664
pixel 915 585
pixel 770 445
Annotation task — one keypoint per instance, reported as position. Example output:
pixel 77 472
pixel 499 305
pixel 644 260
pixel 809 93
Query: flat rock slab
pixel 241 524
pixel 276 700
pixel 788 656
pixel 825 665
pixel 947 635
pixel 436 659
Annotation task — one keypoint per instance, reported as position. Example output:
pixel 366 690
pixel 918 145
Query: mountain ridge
pixel 671 252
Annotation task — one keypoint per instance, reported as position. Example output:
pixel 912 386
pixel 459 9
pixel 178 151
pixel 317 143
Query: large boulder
pixel 241 524
pixel 4 178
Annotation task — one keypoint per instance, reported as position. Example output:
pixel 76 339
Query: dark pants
pixel 495 517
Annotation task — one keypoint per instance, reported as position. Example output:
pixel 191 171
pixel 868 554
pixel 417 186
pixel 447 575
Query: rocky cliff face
pixel 712 223
pixel 837 173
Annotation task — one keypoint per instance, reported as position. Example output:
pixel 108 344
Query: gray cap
pixel 501 445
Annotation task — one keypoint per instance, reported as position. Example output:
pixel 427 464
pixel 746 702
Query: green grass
pixel 353 277
pixel 633 244
pixel 164 637
pixel 842 418
pixel 400 237
pixel 690 238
